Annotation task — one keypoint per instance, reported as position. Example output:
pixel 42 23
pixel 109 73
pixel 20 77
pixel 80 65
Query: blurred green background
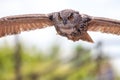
pixel 24 63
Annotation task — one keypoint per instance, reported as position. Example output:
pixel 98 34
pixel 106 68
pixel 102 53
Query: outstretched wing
pixel 104 25
pixel 16 24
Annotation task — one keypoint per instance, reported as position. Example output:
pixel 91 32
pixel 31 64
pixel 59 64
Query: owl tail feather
pixel 86 37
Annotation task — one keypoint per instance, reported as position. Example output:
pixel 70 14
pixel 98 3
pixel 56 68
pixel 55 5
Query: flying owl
pixel 68 23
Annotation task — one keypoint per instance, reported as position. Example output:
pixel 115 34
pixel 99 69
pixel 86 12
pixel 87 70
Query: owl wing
pixel 16 24
pixel 104 25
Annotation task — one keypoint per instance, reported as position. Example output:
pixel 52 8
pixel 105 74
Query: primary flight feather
pixel 68 23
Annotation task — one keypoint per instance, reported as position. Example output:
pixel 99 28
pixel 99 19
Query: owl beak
pixel 64 21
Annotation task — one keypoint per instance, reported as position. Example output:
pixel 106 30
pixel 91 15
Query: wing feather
pixel 16 24
pixel 104 25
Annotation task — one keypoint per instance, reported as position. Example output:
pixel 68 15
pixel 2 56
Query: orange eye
pixel 70 17
pixel 59 17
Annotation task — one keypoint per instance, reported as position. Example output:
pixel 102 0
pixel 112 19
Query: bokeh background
pixel 43 55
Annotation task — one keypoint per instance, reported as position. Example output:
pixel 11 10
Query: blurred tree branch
pixel 17 58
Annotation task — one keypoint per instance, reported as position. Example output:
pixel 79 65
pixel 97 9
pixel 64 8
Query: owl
pixel 68 23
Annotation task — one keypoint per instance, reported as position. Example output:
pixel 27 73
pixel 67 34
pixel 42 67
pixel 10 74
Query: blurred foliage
pixel 38 65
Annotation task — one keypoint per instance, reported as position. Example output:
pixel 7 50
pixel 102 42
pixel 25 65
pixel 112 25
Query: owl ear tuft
pixel 51 17
pixel 77 12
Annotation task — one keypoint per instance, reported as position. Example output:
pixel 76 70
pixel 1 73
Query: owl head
pixel 66 21
pixel 66 18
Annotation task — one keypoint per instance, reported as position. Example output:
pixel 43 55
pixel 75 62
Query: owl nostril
pixel 64 22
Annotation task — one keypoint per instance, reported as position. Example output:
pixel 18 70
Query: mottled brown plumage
pixel 104 25
pixel 68 23
pixel 16 24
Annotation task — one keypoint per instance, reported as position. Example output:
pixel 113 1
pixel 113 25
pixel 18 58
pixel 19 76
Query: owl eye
pixel 59 17
pixel 70 17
